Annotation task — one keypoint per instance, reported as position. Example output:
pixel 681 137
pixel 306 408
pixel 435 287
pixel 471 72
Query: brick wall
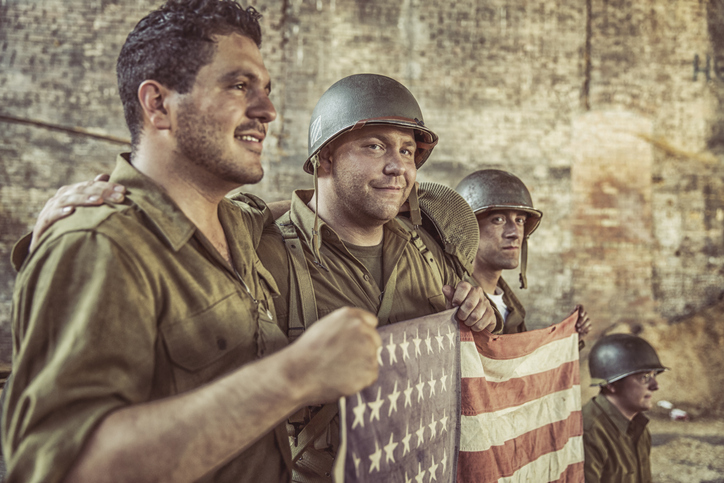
pixel 596 105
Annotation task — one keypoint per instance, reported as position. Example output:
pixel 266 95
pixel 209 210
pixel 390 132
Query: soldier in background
pixel 616 440
pixel 506 218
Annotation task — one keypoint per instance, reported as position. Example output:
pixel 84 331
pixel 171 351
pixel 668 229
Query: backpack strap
pixel 316 426
pixel 318 461
pixel 302 313
pixel 302 302
pixel 424 251
pixel 383 313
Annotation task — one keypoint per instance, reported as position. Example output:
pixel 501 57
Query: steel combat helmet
pixel 616 356
pixel 453 223
pixel 362 100
pixel 495 189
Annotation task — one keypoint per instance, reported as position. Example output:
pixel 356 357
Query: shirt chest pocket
pixel 212 342
pixel 437 302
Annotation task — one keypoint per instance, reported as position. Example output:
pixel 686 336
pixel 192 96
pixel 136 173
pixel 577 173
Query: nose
pixel 396 164
pixel 261 108
pixel 653 385
pixel 512 229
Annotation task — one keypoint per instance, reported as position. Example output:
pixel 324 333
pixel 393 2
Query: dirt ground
pixel 687 451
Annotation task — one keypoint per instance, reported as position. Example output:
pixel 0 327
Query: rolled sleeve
pixel 20 252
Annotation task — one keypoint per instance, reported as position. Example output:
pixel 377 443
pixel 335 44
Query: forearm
pixel 182 438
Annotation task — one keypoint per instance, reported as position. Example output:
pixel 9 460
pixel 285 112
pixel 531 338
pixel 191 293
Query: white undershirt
pixel 497 299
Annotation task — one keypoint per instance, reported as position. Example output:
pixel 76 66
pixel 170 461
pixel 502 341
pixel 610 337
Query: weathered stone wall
pixel 598 106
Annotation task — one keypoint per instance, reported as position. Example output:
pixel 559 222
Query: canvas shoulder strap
pixel 383 312
pixel 302 303
pixel 424 251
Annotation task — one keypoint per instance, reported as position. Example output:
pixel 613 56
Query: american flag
pixel 404 428
pixel 521 406
pixel 453 405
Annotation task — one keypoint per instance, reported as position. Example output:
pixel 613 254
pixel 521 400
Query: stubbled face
pixel 501 236
pixel 372 171
pixel 222 122
pixel 634 393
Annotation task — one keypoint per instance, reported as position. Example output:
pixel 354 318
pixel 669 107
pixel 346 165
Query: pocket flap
pixel 201 339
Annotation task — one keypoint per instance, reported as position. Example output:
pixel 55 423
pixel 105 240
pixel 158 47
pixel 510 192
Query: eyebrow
pixel 410 143
pixel 235 74
pixel 387 139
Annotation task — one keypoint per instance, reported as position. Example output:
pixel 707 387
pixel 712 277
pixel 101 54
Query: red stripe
pixel 479 395
pixel 502 461
pixel 573 474
pixel 466 335
pixel 511 346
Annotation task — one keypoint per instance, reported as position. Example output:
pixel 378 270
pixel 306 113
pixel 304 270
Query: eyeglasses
pixel 647 377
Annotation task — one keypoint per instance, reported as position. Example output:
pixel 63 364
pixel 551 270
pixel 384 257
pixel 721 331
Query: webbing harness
pixel 302 313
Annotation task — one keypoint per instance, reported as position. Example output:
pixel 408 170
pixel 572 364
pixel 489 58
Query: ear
pixel 325 160
pixel 153 97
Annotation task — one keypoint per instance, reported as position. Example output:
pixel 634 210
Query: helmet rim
pixel 411 124
pixel 616 356
pixel 531 224
pixel 362 100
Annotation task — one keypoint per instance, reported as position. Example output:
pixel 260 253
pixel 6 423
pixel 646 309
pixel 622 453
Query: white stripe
pixel 479 433
pixel 471 364
pixel 552 355
pixel 549 467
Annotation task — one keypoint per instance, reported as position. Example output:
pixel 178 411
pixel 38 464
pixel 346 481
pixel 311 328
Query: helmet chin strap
pixel 524 263
pixel 316 239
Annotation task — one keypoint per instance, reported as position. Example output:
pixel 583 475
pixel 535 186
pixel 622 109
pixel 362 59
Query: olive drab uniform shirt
pixel 130 303
pixel 616 449
pixel 346 282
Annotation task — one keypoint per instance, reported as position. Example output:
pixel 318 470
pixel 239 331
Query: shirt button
pixel 367 278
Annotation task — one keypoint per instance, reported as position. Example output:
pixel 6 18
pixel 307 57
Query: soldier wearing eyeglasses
pixel 616 440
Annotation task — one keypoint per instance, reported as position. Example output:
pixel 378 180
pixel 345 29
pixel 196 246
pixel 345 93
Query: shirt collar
pixel 172 225
pixel 303 217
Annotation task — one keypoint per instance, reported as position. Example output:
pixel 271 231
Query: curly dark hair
pixel 172 43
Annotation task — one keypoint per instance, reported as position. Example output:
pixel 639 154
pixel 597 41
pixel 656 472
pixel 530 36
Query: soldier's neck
pixel 350 230
pixel 487 279
pixel 195 192
pixel 618 404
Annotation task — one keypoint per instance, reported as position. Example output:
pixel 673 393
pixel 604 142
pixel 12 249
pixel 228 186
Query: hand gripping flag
pixel 521 406
pixel 404 428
